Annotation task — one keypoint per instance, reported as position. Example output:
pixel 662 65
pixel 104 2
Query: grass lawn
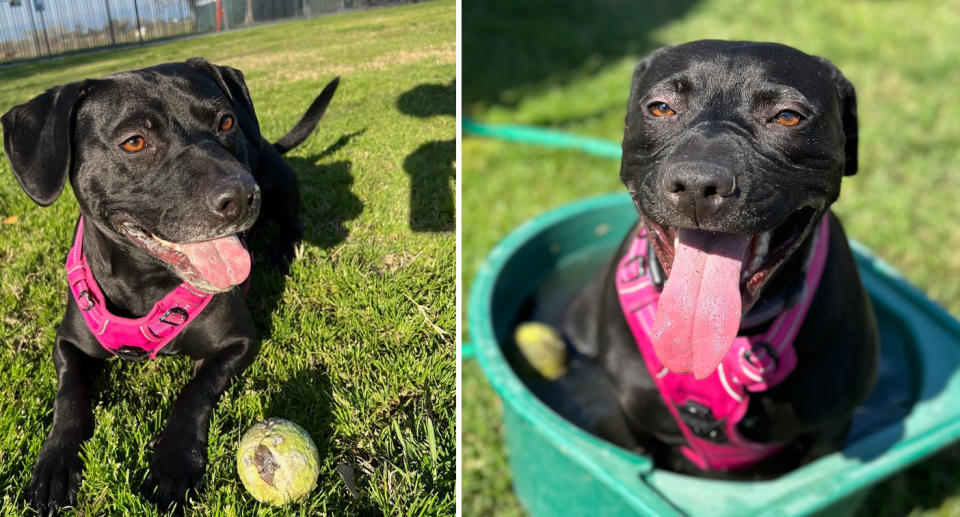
pixel 567 65
pixel 357 341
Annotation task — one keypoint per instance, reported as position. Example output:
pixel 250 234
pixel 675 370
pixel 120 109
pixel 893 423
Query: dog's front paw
pixel 56 479
pixel 174 475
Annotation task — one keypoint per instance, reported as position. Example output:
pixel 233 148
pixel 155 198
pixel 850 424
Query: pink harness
pixel 708 411
pixel 130 338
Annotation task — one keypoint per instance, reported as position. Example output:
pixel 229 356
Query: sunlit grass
pixel 357 340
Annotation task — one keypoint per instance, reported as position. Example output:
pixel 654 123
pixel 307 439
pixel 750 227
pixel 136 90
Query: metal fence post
pixel 43 23
pixel 193 16
pixel 136 11
pixel 113 38
pixel 36 34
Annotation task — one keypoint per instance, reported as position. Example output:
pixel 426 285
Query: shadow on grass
pixel 428 100
pixel 514 48
pixel 326 204
pixel 431 199
pixel 306 398
pixel 340 143
pixel 431 166
pixel 326 199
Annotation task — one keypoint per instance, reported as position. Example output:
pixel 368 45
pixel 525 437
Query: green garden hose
pixel 543 137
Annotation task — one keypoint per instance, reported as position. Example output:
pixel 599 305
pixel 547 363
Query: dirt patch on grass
pixel 442 53
pixel 297 66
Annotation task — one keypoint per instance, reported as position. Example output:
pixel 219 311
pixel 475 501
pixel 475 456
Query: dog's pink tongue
pixel 699 311
pixel 222 262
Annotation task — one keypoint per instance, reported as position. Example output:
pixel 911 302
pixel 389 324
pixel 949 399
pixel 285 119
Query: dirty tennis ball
pixel 542 348
pixel 277 461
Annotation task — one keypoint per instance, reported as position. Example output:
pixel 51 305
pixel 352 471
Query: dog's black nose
pixel 698 190
pixel 234 199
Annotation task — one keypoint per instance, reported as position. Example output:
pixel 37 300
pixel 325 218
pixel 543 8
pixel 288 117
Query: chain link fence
pixel 31 29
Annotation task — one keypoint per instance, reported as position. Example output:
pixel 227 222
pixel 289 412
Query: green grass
pixel 357 340
pixel 567 65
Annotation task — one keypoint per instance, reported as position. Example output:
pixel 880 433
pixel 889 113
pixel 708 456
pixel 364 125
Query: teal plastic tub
pixel 560 469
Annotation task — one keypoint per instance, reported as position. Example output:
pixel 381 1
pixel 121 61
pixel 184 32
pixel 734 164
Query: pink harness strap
pixel 708 411
pixel 130 337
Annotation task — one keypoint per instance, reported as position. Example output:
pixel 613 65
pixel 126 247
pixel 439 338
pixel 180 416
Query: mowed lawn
pixel 357 341
pixel 567 65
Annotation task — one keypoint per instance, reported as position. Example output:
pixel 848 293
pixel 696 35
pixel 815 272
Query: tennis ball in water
pixel 543 348
pixel 277 461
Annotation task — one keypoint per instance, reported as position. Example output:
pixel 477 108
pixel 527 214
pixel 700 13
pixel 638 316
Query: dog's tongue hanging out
pixel 221 263
pixel 699 310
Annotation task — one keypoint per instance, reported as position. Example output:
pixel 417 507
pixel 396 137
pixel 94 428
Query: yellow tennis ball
pixel 277 462
pixel 543 348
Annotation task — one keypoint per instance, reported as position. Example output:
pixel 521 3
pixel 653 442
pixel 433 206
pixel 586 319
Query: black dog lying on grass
pixel 733 153
pixel 170 171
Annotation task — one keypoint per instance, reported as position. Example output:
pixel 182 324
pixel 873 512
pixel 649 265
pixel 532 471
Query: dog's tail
pixel 309 121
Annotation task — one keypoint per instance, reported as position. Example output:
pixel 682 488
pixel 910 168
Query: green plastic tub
pixel 560 469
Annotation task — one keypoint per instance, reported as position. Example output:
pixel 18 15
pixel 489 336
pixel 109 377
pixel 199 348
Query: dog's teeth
pixel 762 244
pixel 745 275
pixel 755 264
pixel 676 241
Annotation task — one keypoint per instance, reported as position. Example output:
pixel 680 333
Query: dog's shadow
pixel 326 204
pixel 306 398
pixel 429 100
pixel 431 166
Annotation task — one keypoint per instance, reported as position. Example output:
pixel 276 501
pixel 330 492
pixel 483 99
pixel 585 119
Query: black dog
pixel 168 167
pixel 724 142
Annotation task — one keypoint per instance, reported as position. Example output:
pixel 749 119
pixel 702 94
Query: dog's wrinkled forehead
pixel 738 70
pixel 164 92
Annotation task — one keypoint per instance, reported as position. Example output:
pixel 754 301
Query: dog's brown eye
pixel 226 123
pixel 788 118
pixel 134 144
pixel 660 109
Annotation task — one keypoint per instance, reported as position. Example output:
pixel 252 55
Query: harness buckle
pixel 701 422
pixel 641 268
pixel 131 353
pixel 657 275
pixel 760 351
pixel 175 316
pixel 87 298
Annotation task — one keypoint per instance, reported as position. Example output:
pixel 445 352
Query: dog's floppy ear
pixel 847 99
pixel 38 140
pixel 230 80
